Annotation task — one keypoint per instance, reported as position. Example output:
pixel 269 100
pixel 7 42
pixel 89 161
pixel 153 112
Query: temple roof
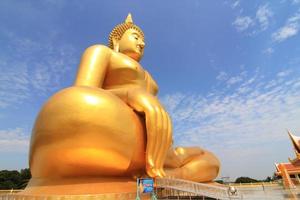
pixel 295 142
pixel 289 167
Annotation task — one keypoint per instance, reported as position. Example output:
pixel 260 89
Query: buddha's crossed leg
pixel 192 163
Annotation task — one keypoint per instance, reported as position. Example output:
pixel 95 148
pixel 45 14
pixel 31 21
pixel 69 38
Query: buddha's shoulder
pixel 99 48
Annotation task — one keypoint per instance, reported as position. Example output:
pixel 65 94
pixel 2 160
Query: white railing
pixel 201 189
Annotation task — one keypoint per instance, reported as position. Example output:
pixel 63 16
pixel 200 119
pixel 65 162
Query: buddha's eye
pixel 136 37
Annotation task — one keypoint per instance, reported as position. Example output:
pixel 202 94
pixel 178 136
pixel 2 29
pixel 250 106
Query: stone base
pixel 79 188
pixel 121 196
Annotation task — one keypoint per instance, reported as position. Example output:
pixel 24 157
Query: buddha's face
pixel 132 44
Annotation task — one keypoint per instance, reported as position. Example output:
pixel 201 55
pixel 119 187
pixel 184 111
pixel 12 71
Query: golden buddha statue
pixel 110 125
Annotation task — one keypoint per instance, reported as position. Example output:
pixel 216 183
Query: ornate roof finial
pixel 295 141
pixel 129 19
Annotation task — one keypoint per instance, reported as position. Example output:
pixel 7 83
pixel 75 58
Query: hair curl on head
pixel 120 29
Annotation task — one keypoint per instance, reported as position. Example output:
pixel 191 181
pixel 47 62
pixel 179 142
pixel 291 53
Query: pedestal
pixel 78 188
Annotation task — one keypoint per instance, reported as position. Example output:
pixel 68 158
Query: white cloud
pixel 285 32
pixel 243 23
pixel 268 51
pixel 235 4
pixel 234 80
pixel 24 74
pixel 262 19
pixel 284 73
pixel 291 28
pixel 255 111
pixel 295 1
pixel 14 140
pixel 263 15
pixel 222 76
pixel 14 82
pixel 295 18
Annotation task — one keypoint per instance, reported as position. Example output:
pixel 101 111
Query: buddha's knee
pixel 210 166
pixel 201 168
pixel 85 131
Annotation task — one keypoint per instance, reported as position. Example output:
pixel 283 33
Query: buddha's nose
pixel 142 44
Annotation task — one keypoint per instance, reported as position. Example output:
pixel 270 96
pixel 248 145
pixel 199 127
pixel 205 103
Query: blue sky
pixel 228 71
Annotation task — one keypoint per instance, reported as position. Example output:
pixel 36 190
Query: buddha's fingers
pixel 150 126
pixel 162 153
pixel 168 140
pixel 170 131
pixel 158 136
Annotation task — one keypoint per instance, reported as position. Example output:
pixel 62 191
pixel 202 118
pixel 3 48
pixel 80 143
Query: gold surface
pixel 110 123
pixel 117 196
pixel 80 186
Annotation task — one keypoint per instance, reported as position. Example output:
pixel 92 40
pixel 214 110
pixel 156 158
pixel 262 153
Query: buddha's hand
pixel 159 129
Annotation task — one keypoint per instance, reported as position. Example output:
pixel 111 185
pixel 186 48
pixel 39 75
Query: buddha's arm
pixel 152 86
pixel 158 125
pixel 92 67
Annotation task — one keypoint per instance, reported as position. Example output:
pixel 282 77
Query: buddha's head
pixel 128 38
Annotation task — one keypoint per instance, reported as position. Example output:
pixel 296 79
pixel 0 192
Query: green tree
pixel 245 180
pixel 275 177
pixel 219 181
pixel 25 176
pixel 14 179
pixel 268 179
pixel 9 179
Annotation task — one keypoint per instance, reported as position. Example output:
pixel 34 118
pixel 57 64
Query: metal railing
pixel 201 189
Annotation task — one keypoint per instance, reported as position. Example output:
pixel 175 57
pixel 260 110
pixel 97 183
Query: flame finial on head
pixel 129 19
pixel 120 29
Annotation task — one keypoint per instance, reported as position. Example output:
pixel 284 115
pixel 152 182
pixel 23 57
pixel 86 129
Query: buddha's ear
pixel 115 44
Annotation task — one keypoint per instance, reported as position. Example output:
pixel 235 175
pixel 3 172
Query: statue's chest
pixel 126 68
pixel 124 72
